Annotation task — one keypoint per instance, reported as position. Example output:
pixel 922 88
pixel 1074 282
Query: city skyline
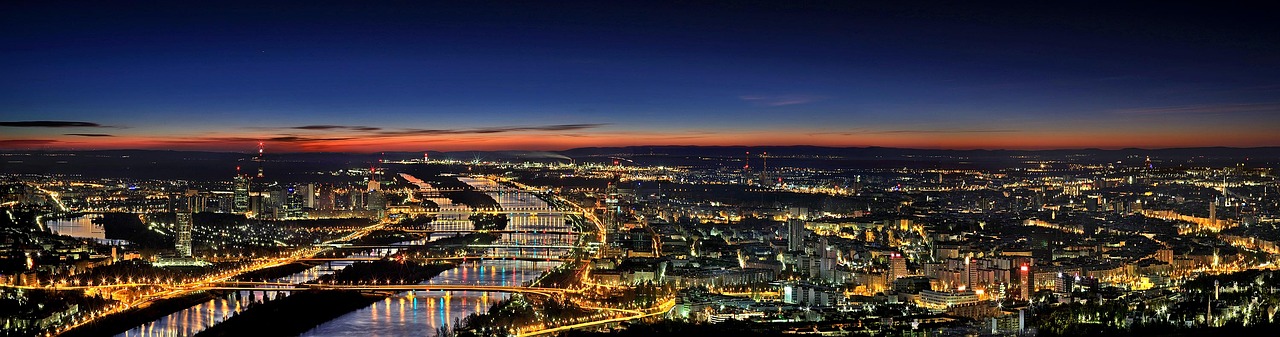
pixel 748 168
pixel 518 76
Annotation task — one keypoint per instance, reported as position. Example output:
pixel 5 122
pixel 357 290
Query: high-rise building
pixel 795 234
pixel 970 273
pixel 182 233
pixel 295 197
pixel 257 205
pixel 1213 212
pixel 897 265
pixel 376 201
pixel 308 192
pixel 613 210
pixel 240 194
pixel 325 200
pixel 277 200
pixel 1024 282
pixel 356 199
pixel 1064 283
pixel 830 259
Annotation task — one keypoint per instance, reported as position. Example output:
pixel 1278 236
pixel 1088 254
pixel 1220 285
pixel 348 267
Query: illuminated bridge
pixel 524 231
pixel 499 246
pixel 231 285
pixel 505 210
pixel 456 258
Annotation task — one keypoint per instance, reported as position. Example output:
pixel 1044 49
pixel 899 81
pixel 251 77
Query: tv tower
pixel 259 159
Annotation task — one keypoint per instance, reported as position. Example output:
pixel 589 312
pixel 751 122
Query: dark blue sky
pixel 525 75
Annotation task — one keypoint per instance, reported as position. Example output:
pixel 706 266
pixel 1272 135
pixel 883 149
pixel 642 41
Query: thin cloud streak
pixel 89 134
pixel 915 131
pixel 781 100
pixel 367 134
pixel 51 124
pixel 1204 109
pixel 373 131
pixel 489 130
pixel 276 139
pixel 11 143
pixel 943 131
pixel 337 127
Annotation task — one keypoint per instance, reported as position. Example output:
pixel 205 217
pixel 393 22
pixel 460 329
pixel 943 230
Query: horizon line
pixel 677 146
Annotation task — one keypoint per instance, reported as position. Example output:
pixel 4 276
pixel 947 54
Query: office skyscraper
pixel 795 234
pixel 308 192
pixel 182 233
pixel 240 194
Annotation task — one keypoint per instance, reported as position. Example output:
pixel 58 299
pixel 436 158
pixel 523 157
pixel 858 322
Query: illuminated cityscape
pixel 622 169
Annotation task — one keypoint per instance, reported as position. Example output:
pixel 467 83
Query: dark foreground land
pixel 302 311
pixel 292 315
pixel 129 319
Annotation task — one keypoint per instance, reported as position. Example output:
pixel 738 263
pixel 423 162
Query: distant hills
pixel 160 164
pixel 1272 153
pixel 689 150
pixel 1254 153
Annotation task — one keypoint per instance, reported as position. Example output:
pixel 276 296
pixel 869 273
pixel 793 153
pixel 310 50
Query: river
pixel 81 226
pixel 189 321
pixel 419 313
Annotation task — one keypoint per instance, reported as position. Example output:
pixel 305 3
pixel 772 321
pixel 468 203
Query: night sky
pixel 413 76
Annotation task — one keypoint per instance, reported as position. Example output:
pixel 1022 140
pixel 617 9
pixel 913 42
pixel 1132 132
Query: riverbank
pixel 132 318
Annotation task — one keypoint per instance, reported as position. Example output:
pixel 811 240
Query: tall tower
pixel 259 159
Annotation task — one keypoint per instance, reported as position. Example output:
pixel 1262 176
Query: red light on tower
pixel 1025 268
